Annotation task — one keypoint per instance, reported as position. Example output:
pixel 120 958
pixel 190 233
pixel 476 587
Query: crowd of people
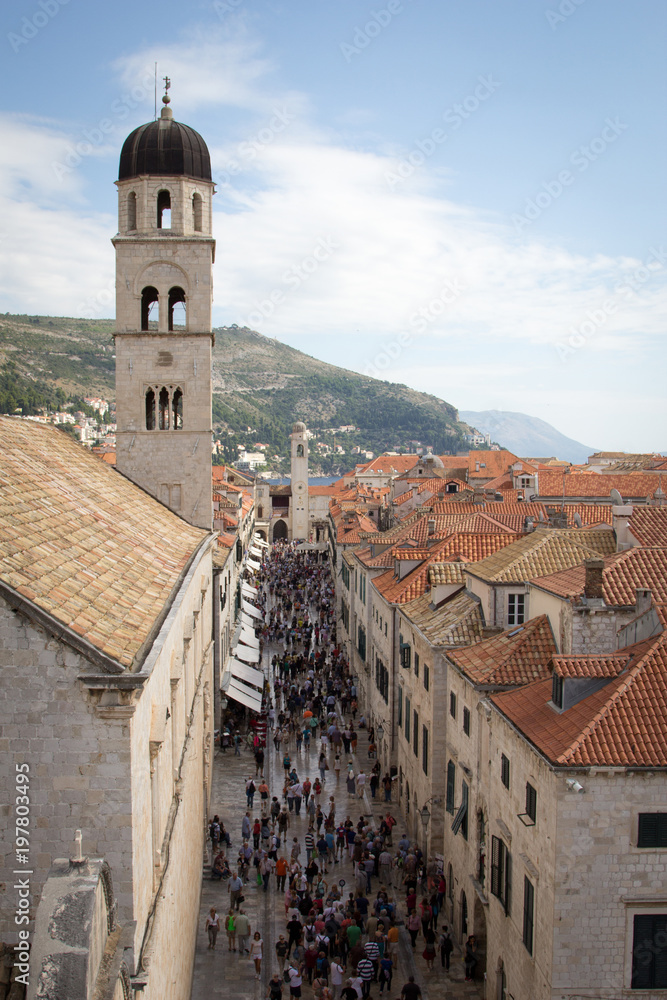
pixel 339 939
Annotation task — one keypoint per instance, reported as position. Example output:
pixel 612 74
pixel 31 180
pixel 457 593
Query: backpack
pixel 286 976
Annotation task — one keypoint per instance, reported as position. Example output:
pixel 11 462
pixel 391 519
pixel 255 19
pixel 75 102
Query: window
pixel 149 308
pixel 385 628
pixel 649 952
pixel 416 664
pixel 424 749
pixel 361 642
pixel 415 733
pixel 177 410
pixel 531 802
pixel 197 213
pixel 500 872
pixel 466 721
pixel 150 410
pixel 515 609
pixel 451 785
pixel 408 718
pixel 382 679
pixel 452 704
pixel 163 409
pixel 132 211
pixel 652 830
pixel 528 914
pixel 505 770
pixel 406 654
pixel 163 210
pixel 362 588
pixel 461 818
pixel 557 690
pixel 299 451
pixel 345 575
pixel 427 677
pixel 177 315
pixel 400 708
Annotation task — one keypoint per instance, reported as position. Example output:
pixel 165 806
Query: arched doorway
pixel 479 930
pixel 261 533
pixel 280 531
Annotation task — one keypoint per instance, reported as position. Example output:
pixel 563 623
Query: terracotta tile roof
pixel 323 490
pixel 446 572
pixel 623 724
pixel 623 574
pixel 542 552
pixel 83 543
pixel 454 506
pixel 387 463
pixel 455 622
pixel 649 526
pixel 518 656
pixel 590 666
pixel 496 463
pixel 225 540
pixel 634 485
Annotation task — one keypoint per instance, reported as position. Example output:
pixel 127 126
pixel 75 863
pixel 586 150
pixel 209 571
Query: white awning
pixel 248 637
pixel 251 564
pixel 242 672
pixel 248 621
pixel 245 695
pixel 255 552
pixel 250 609
pixel 247 589
pixel 258 540
pixel 246 653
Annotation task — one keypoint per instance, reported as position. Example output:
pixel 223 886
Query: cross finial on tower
pixel 167 84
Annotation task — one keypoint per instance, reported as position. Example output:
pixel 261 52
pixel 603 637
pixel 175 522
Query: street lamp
pixel 380 731
pixel 425 816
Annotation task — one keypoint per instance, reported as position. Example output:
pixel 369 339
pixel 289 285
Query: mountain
pixel 260 387
pixel 526 436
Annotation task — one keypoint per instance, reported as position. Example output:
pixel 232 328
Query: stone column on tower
pixel 300 519
pixel 164 257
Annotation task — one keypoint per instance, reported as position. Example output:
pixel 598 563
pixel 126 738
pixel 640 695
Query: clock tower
pixel 164 257
pixel 299 468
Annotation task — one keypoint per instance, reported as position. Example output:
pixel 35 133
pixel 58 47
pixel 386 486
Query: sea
pixel 312 480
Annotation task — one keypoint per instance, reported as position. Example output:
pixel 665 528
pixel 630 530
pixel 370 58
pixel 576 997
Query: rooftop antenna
pixel 616 498
pixel 155 115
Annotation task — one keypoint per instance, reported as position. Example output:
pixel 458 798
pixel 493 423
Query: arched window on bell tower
pixel 197 213
pixel 150 410
pixel 177 311
pixel 177 410
pixel 132 211
pixel 149 308
pixel 299 451
pixel 163 210
pixel 163 409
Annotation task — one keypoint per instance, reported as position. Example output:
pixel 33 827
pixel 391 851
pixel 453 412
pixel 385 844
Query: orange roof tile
pixel 491 464
pixel 634 485
pixel 649 526
pixel 517 656
pixel 590 666
pixel 543 552
pixel 622 724
pixel 623 574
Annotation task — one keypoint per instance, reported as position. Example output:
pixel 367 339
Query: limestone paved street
pixel 220 973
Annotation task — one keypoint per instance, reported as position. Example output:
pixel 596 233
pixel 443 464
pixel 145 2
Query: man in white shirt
pixel 295 981
pixel 337 971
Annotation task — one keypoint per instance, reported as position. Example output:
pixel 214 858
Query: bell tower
pixel 299 470
pixel 164 290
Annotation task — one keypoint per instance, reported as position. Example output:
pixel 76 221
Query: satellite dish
pixel 616 498
pixel 540 517
pixel 577 520
pixel 533 497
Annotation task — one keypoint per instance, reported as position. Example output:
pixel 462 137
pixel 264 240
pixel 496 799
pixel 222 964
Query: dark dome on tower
pixel 165 147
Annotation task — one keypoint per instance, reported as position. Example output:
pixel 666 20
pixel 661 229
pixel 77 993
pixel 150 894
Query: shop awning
pixel 250 609
pixel 242 672
pixel 245 695
pixel 248 637
pixel 248 590
pixel 258 540
pixel 246 653
pixel 251 564
pixel 254 551
pixel 248 622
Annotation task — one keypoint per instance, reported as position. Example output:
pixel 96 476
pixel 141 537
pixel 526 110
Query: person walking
pixel 446 947
pixel 470 958
pixel 413 924
pixel 256 953
pixel 275 987
pixel 295 980
pixel 230 928
pixel 410 990
pixel 429 949
pixel 281 952
pixel 242 931
pixel 212 926
pixel 361 784
pixel 234 887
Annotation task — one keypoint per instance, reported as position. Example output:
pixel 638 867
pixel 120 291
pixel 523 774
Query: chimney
pixel 476 466
pixel 415 491
pixel 643 600
pixel 431 526
pixel 593 585
pixel 441 495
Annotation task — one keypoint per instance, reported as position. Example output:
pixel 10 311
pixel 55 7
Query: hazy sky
pixel 465 196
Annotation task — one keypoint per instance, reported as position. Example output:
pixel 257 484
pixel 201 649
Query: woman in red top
pixel 256 831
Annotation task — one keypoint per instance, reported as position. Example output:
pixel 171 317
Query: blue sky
pixel 465 196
